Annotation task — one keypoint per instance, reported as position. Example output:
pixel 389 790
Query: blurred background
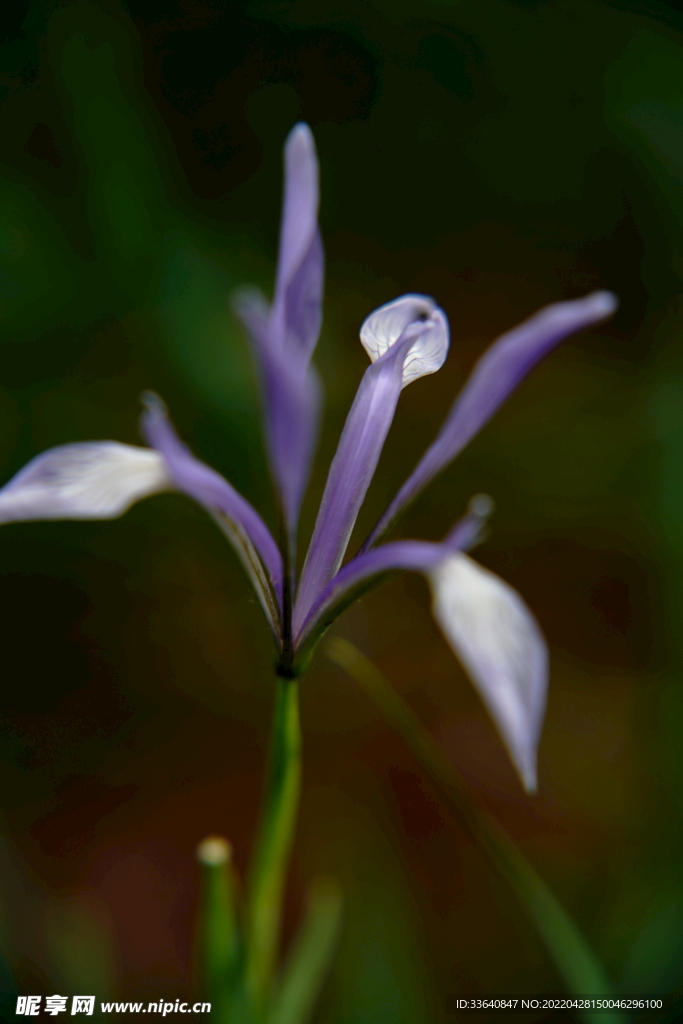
pixel 499 156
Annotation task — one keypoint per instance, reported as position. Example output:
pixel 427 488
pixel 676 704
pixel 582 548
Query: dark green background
pixel 497 155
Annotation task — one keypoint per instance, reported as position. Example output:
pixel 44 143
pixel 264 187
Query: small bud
pixel 213 851
pixel 482 505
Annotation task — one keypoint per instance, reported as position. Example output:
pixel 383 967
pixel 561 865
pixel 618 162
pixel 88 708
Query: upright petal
pixel 498 641
pixel 363 438
pixel 284 335
pixel 493 379
pixel 300 258
pixel 297 321
pixel 90 480
pixel 291 400
pixel 243 525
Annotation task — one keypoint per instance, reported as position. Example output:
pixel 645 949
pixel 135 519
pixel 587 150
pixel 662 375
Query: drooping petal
pixel 284 335
pixel 358 452
pixel 500 645
pixel 493 379
pixel 244 526
pixel 384 327
pixel 89 480
pixel 369 569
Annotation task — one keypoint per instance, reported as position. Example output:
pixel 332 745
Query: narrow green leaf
pixel 219 933
pixel 311 956
pixel 576 962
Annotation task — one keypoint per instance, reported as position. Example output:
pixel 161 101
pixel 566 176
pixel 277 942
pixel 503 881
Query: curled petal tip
pixel 499 371
pixel 419 315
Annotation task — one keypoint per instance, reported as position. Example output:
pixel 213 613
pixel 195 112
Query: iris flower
pixel 484 620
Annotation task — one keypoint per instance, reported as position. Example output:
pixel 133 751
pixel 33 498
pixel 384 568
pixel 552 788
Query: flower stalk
pixel 273 846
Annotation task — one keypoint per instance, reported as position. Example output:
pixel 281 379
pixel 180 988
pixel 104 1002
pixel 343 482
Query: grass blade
pixel 311 956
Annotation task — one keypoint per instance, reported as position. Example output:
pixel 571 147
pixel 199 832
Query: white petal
pixel 93 480
pixel 498 641
pixel 384 327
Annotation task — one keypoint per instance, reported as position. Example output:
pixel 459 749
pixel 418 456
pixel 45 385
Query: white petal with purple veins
pixel 92 480
pixel 499 643
pixel 384 327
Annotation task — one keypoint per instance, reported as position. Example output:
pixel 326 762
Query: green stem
pixel 271 856
pixel 577 963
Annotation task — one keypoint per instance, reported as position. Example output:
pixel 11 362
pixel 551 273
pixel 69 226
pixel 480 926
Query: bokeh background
pixel 497 155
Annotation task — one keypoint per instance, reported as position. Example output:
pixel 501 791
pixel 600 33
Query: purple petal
pixel 253 310
pixel 302 310
pixel 299 225
pixel 91 480
pixel 367 570
pixel 397 334
pixel 353 466
pixel 285 335
pixel 294 399
pixel 291 399
pixel 493 379
pixel 244 526
pixel 500 645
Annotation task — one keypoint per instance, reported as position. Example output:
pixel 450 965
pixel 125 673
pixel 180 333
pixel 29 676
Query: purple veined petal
pixel 383 328
pixel 369 569
pixel 240 521
pixel 291 400
pixel 88 480
pixel 497 639
pixel 284 335
pixel 357 454
pixel 299 224
pixel 493 379
pixel 302 309
pixel 295 400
